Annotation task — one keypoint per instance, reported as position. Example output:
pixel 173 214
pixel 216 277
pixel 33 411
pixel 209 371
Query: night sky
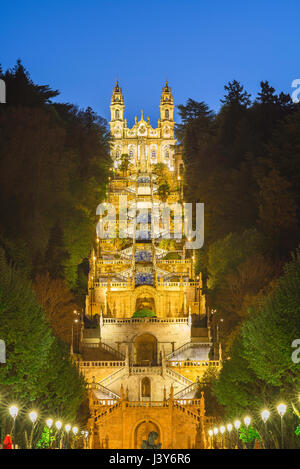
pixel 80 47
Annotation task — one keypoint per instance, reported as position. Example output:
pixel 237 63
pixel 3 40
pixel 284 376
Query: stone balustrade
pixel 148 370
pixel 96 364
pixel 118 321
pixel 191 363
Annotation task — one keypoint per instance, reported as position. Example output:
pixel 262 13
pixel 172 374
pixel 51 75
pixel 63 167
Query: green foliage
pixel 249 435
pixel 269 332
pixel 125 161
pixel 144 313
pixel 47 438
pixel 168 244
pixel 261 369
pixel 53 170
pixel 163 191
pixel 38 366
pixel 172 256
pixel 226 254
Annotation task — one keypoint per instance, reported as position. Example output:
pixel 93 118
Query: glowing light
pixel 58 425
pixel 222 429
pixel 13 410
pixel 265 415
pixel 75 430
pixel 33 416
pixel 210 432
pixel 49 423
pixel 67 427
pixel 229 427
pixel 237 424
pixel 216 431
pixel 247 421
pixel 281 409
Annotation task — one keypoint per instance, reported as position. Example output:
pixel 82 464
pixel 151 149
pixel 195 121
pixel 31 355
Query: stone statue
pixel 150 442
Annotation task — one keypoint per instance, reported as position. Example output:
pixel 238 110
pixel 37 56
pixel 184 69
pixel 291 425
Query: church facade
pixel 147 342
pixel 144 144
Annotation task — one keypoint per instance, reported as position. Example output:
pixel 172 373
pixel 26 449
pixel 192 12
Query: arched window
pixel 146 387
pixel 117 114
pixel 153 154
pixel 131 154
pixel 167 114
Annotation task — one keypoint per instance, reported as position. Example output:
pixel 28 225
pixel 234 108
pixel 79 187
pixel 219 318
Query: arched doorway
pixel 142 431
pixel 145 347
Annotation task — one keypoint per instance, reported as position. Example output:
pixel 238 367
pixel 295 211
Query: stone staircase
pixel 100 352
pixel 108 380
pixel 178 377
pixel 187 346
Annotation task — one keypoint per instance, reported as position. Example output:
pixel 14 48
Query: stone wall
pixel 120 336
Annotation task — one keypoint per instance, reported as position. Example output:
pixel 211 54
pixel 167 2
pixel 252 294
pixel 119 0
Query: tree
pixel 38 366
pixel 163 191
pixel 58 302
pixel 261 369
pixel 56 254
pixel 270 330
pixel 21 91
pixel 125 161
pixel 277 211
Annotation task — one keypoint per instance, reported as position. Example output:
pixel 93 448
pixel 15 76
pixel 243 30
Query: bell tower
pixel 117 109
pixel 166 105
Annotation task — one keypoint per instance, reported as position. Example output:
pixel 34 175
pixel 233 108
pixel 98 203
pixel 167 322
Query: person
pixel 7 443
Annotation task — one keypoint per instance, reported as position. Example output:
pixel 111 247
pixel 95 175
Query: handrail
pixel 178 377
pixel 112 377
pixel 115 352
pixel 103 389
pixel 187 390
pixel 186 346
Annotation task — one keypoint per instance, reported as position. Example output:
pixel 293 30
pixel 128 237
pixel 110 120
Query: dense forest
pixel 244 164
pixel 54 161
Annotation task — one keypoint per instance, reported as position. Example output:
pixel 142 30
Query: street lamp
pixel 281 409
pixel 222 431
pixel 58 425
pixel 237 425
pixel 68 428
pixel 229 429
pixel 210 432
pixel 216 431
pixel 33 417
pixel 72 339
pixel 265 416
pixel 13 410
pixel 75 430
pixel 49 423
pixel 247 421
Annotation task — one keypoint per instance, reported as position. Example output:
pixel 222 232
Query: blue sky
pixel 80 47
